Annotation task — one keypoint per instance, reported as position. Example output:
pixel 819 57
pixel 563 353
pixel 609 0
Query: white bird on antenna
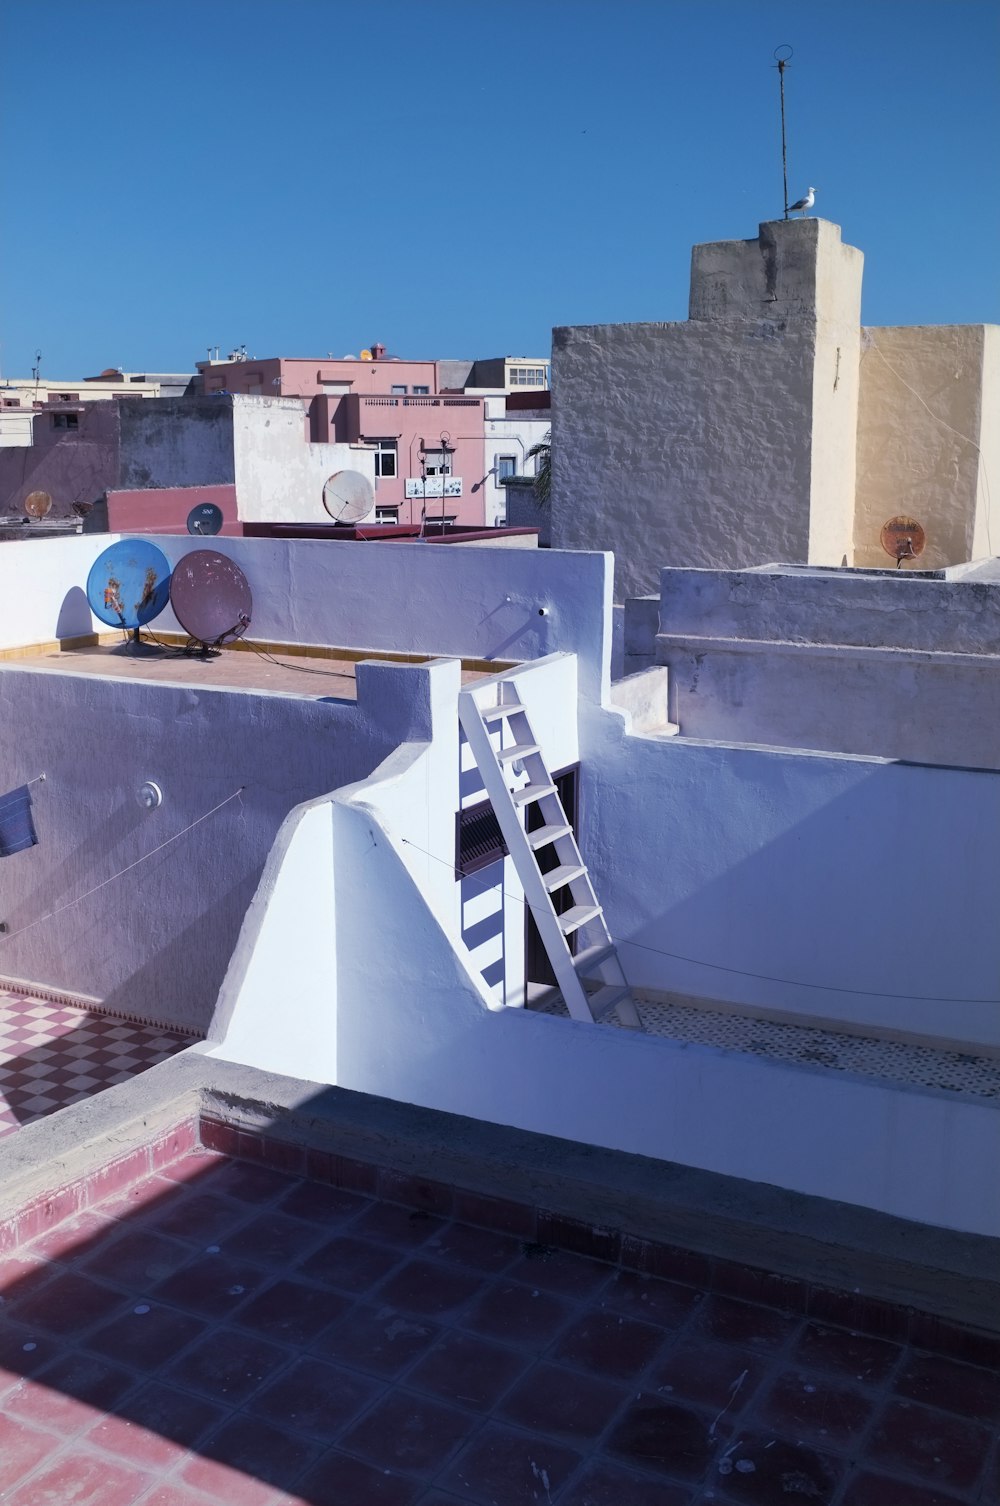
pixel 804 204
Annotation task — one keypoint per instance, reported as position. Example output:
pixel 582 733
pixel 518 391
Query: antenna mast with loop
pixel 783 57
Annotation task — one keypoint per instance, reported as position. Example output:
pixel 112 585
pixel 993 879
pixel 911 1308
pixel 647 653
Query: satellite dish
pixel 205 518
pixel 129 585
pixel 210 597
pixel 348 496
pixel 366 355
pixel 903 538
pixel 37 504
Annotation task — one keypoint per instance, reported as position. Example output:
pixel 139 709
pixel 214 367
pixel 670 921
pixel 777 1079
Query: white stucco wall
pixel 280 472
pixel 508 436
pixel 927 447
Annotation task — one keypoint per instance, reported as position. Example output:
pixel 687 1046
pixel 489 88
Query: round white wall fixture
pixel 149 795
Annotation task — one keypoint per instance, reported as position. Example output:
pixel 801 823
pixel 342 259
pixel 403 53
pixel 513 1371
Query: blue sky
pixel 455 177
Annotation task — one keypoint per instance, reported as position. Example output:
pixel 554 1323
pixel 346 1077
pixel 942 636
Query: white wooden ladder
pixel 592 983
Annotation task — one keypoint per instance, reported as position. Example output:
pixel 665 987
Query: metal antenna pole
pixel 783 55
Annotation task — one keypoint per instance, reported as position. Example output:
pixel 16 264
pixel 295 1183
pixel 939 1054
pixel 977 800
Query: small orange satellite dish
pixel 366 355
pixel 904 538
pixel 37 504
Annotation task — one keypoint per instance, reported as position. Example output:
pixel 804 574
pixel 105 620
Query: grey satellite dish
pixel 348 496
pixel 205 518
pixel 211 598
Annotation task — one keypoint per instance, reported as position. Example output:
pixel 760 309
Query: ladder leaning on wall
pixel 592 983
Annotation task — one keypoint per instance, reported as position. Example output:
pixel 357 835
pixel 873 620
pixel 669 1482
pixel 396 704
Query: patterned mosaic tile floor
pixel 52 1055
pixel 224 1334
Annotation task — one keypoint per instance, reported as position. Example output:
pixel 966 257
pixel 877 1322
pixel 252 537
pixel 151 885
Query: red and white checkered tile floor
pixel 52 1055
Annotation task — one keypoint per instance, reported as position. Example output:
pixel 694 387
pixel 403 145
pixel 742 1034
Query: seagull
pixel 804 204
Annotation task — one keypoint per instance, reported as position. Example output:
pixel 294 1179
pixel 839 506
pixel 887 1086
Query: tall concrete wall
pixel 71 465
pixel 929 440
pixel 280 473
pixel 176 442
pixel 726 440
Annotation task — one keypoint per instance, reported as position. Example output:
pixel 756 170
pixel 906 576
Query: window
pixel 64 397
pixel 399 391
pixel 65 420
pixel 385 457
pixel 386 514
pixel 478 839
pixel 421 392
pixel 526 376
pixel 438 462
pixel 506 467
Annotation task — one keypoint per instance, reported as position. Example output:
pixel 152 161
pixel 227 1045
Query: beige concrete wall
pixel 728 440
pixel 924 412
pixel 280 473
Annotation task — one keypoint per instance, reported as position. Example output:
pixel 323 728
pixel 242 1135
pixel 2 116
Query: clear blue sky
pixel 455 177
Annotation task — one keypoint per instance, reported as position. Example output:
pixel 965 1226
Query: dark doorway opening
pixel 537 967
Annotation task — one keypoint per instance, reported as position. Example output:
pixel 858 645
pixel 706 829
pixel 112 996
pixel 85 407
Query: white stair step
pixel 494 714
pixel 532 792
pixel 557 877
pixel 579 915
pixel 592 957
pixel 517 751
pixel 543 835
pixel 607 1000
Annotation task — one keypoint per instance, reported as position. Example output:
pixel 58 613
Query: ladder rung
pixel 532 792
pixel 499 713
pixel 579 915
pixel 557 877
pixel 516 751
pixel 543 835
pixel 593 957
pixel 607 1000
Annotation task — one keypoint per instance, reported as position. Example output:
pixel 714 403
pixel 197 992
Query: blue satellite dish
pixel 129 584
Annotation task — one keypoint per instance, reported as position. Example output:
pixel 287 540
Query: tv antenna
pixel 37 504
pixel 205 518
pixel 783 57
pixel 904 538
pixel 348 496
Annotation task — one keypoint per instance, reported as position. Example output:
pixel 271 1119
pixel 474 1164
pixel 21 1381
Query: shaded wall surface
pixel 75 465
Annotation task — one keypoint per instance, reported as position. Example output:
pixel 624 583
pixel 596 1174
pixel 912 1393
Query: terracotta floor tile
pixel 501 1465
pixel 377 1339
pixel 225 1485
pixel 607 1484
pixel 481 1249
pixel 22 1449
pixel 135 1443
pixel 386 1223
pixel 136 1258
pixel 935 1447
pixel 71 1239
pixel 468 1370
pixel 762 1470
pixel 429 1289
pixel 743 1323
pixel 228 1366
pixel 710 1375
pixel 171 1494
pixel 43 1407
pixel 196 1217
pixel 250 1183
pixel 573 1276
pixel 82 1480
pixel 323 1205
pixel 407 1432
pixel 867 1489
pixel 146 1339
pixel 22 1273
pixel 25 1350
pixel 350 1264
pixel 609 1343
pixel 518 1314
pixel 563 1403
pixel 661 1435
pixel 292 1312
pixel 644 1297
pixel 814 1409
pixel 268 1455
pixel 965 1389
pixel 853 1355
pixel 69 1304
pixel 212 1286
pixel 275 1238
pixel 339 1480
pixel 315 1398
pixel 171 1414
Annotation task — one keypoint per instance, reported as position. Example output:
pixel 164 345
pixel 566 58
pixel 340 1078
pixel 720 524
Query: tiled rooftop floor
pixel 224 1334
pixel 52 1055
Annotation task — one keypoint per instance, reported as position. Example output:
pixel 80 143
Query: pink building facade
pixel 430 446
